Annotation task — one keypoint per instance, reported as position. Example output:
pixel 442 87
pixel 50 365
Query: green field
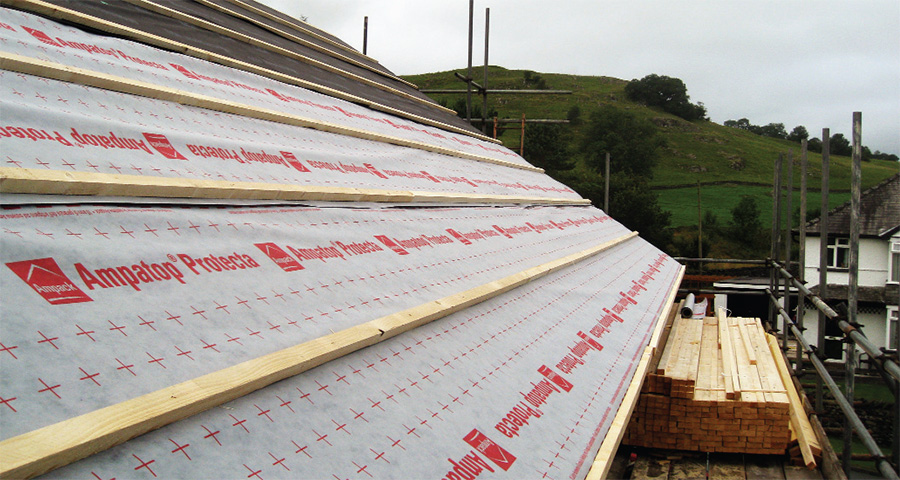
pixel 721 199
pixel 696 151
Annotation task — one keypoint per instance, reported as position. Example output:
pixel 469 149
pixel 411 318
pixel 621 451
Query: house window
pixel 838 252
pixel 893 324
pixel 894 265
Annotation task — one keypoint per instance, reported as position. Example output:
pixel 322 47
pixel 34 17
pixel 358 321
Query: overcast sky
pixel 796 62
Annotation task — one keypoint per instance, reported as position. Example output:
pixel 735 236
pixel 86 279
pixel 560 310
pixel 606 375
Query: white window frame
pixel 892 316
pixel 894 262
pixel 836 244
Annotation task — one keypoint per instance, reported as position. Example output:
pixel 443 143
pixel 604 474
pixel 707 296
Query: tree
pixel 746 227
pixel 798 134
pixel 742 124
pixel 667 93
pixel 634 204
pixel 773 130
pixel 839 145
pixel 631 142
pixel 532 79
pixel 547 146
pixel 574 115
pixel 814 145
pixel 711 225
pixel 885 156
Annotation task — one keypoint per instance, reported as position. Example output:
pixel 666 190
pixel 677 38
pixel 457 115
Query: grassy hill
pixel 729 163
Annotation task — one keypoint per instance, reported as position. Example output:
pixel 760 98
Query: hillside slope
pixel 726 161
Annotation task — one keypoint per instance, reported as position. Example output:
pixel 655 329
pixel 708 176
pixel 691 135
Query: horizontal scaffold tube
pixel 883 465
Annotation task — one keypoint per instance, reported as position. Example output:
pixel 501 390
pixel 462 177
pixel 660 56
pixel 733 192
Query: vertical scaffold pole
pixel 484 93
pixel 789 192
pixel 801 297
pixel 823 258
pixel 776 233
pixel 853 290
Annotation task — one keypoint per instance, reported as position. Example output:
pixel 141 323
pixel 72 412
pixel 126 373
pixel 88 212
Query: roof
pixel 879 212
pixel 225 259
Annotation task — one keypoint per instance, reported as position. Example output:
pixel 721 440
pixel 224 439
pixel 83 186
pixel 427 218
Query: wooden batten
pixel 298 27
pixel 55 182
pixel 604 458
pixel 741 325
pixel 732 383
pixel 68 15
pixel 660 340
pixel 689 407
pixel 800 425
pixel 198 22
pixel 56 445
pixel 65 73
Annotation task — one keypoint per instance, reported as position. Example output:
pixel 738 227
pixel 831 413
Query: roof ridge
pixel 864 194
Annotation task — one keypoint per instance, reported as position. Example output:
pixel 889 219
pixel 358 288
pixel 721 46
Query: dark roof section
pixel 879 212
pixel 285 19
pixel 363 72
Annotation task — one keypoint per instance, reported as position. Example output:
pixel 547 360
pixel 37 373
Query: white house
pixel 879 265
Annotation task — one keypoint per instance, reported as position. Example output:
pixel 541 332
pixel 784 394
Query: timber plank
pixel 66 73
pixel 605 455
pixel 68 15
pixel 745 338
pixel 806 438
pixel 660 341
pixel 732 382
pixel 671 339
pixel 51 447
pixel 197 22
pixel 56 182
pixel 749 379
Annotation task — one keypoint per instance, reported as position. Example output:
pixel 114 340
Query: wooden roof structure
pixel 233 246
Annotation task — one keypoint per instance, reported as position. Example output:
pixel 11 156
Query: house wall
pixel 873 263
pixel 873 272
pixel 874 326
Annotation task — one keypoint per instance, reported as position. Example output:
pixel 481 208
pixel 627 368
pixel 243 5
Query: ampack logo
pixel 43 37
pixel 391 244
pixel 555 378
pixel 49 281
pixel 280 257
pixel 374 170
pixel 163 146
pixel 497 228
pixel 429 176
pixel 294 162
pixel 490 449
pixel 459 236
pixel 185 72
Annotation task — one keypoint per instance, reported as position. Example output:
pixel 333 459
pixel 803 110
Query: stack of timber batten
pixel 716 388
pixel 232 246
